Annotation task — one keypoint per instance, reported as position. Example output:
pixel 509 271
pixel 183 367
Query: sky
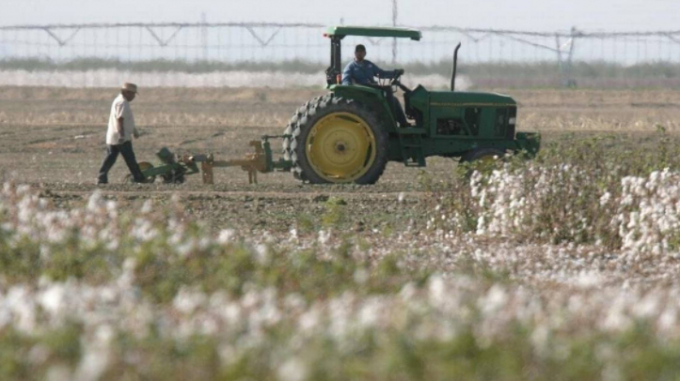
pixel 532 15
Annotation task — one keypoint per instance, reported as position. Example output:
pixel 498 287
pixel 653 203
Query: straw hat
pixel 129 87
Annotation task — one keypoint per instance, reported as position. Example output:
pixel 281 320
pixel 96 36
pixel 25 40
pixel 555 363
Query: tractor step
pixel 410 142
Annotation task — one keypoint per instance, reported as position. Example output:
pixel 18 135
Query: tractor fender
pixel 371 98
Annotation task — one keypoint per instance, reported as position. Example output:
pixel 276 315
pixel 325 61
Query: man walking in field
pixel 119 135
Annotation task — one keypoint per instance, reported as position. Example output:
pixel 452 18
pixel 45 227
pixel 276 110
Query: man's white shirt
pixel 120 109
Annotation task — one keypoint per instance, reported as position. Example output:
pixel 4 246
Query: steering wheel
pixel 397 74
pixel 395 81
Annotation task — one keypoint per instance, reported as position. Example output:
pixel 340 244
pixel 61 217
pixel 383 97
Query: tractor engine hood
pixel 422 97
pixel 469 99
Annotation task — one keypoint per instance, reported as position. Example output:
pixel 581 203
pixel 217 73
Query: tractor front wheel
pixel 334 140
pixel 480 159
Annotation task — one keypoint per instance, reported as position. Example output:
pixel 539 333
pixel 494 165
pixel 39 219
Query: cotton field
pixel 156 295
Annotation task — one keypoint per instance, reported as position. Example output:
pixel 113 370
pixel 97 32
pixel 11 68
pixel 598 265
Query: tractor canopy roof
pixel 342 31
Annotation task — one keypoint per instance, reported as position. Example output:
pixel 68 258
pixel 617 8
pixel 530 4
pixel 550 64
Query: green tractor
pixel 349 134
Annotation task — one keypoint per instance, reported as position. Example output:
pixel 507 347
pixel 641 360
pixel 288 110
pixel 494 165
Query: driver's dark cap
pixel 360 48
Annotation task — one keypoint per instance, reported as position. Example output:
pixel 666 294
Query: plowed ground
pixel 54 139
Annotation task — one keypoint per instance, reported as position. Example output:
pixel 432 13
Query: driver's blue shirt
pixel 362 73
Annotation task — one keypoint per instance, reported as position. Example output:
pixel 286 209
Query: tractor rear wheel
pixel 334 140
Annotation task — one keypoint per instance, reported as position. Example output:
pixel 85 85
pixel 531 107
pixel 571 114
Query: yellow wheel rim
pixel 341 147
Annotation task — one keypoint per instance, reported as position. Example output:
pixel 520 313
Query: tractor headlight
pixel 512 121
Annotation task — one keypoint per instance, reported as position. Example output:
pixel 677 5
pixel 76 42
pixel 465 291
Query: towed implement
pixel 174 168
pixel 351 133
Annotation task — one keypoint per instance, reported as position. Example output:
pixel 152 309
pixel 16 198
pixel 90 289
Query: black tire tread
pixel 303 120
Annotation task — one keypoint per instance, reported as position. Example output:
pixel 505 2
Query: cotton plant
pixel 648 214
pixel 639 215
pixel 301 305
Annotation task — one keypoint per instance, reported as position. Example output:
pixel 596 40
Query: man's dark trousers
pixel 112 152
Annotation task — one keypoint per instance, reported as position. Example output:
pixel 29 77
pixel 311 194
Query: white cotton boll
pixel 605 198
pixel 293 234
pixel 38 354
pixel 612 372
pixel 185 248
pixel 23 189
pixel 437 290
pixel 187 301
pixel 400 197
pixel 209 327
pixel 408 292
pixel 95 201
pixel 218 300
pixel 26 212
pixel 481 229
pixel 324 237
pixel 588 279
pixel 494 300
pixel 340 313
pixel 309 320
pixel 58 372
pixel 232 313
pixel 147 207
pixel 668 319
pixel 616 319
pixel 361 276
pixel 228 354
pixel 111 207
pixel 540 339
pixel 175 198
pixel 369 313
pixel 92 365
pixel 143 230
pixel 204 243
pixel 262 254
pixel 127 277
pixel 21 305
pixel 654 177
pixel 52 300
pixel 104 335
pixel 292 370
pixel 647 307
pixel 108 294
pixel 482 198
pixel 268 314
pixel 294 301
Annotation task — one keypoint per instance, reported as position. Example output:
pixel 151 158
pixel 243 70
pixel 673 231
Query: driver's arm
pixel 387 74
pixel 347 75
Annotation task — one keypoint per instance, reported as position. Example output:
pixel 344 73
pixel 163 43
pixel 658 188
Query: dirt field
pixel 53 139
pixel 566 267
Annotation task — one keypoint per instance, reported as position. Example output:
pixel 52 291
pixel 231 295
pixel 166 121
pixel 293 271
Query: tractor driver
pixel 362 72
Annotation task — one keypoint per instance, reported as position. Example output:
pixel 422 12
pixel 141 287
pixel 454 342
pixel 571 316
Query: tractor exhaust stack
pixel 455 67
